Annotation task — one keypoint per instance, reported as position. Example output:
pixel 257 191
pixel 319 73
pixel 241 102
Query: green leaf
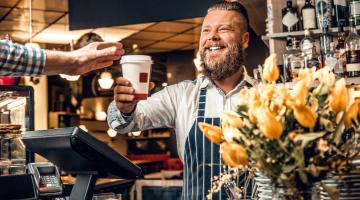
pixel 321 93
pixel 303 177
pixel 288 168
pixel 306 138
pixel 339 131
pixel 242 108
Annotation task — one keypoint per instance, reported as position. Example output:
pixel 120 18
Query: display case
pixel 16 116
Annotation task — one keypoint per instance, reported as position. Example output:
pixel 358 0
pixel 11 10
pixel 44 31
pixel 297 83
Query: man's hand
pixel 124 95
pixel 93 56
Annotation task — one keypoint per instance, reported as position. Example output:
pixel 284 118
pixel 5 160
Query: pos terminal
pixel 77 152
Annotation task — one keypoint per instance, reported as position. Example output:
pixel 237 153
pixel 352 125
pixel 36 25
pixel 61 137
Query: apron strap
pixel 202 102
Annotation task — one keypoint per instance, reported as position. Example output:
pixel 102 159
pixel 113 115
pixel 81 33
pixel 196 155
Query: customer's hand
pixel 124 95
pixel 93 56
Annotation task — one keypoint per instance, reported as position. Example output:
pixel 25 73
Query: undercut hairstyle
pixel 233 6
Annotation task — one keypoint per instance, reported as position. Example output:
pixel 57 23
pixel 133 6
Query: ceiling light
pixel 111 132
pixel 136 133
pixel 135 46
pixel 106 81
pixel 100 116
pixel 70 78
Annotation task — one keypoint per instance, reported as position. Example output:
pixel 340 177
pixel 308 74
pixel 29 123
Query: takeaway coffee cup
pixel 136 69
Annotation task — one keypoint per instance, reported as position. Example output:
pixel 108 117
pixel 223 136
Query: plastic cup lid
pixel 135 58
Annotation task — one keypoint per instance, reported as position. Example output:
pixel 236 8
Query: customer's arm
pixel 94 56
pixel 157 111
pixel 20 60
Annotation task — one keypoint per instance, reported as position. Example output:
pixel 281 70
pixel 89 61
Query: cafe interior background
pixel 168 32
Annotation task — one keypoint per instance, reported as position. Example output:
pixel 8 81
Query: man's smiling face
pixel 222 43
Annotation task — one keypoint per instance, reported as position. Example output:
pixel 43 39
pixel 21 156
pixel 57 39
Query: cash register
pixel 77 152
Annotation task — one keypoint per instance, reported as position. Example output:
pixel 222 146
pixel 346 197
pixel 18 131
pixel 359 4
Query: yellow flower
pixel 231 119
pixel 339 97
pixel 234 155
pixel 213 133
pixel 308 75
pixel 352 114
pixel 305 116
pixel 324 75
pixel 271 71
pixel 230 133
pixel 269 126
pixel 300 93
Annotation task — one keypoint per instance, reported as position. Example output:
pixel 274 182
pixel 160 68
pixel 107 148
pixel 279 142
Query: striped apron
pixel 202 159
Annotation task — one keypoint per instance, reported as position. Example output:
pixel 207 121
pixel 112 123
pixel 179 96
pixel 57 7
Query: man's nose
pixel 214 35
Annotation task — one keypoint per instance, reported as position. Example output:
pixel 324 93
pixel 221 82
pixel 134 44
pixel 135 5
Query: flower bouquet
pixel 293 133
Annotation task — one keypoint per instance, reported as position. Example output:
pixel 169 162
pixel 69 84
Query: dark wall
pixel 95 13
pixel 256 53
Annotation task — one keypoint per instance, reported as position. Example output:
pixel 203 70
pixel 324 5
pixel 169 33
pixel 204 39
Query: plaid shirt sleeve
pixel 20 60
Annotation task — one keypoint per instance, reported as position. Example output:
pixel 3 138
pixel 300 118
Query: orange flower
pixel 339 97
pixel 305 116
pixel 269 126
pixel 234 155
pixel 352 114
pixel 300 93
pixel 213 133
pixel 231 119
pixel 271 71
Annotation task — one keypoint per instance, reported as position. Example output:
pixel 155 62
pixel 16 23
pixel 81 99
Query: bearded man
pixel 224 37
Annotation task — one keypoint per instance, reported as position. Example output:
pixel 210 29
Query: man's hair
pixel 233 6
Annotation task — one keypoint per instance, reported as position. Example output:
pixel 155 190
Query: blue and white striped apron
pixel 202 158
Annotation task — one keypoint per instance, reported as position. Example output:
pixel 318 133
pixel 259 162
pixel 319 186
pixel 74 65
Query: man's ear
pixel 245 39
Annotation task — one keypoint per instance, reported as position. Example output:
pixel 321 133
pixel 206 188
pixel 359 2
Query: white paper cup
pixel 137 69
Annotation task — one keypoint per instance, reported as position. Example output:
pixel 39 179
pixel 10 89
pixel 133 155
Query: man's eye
pixel 205 30
pixel 224 29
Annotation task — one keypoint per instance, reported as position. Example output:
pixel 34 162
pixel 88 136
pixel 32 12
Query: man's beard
pixel 224 66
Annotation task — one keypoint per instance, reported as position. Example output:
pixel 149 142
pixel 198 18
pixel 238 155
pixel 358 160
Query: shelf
pixel 314 33
pixel 148 138
pixel 352 81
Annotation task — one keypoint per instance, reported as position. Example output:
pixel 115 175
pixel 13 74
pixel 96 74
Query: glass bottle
pixel 335 62
pixel 354 8
pixel 341 13
pixel 352 43
pixel 308 15
pixel 339 53
pixel 290 18
pixel 323 13
pixel 325 41
pixel 293 59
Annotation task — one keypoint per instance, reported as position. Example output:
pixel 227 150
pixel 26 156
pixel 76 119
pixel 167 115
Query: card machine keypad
pixel 47 178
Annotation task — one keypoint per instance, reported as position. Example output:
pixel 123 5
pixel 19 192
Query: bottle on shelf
pixel 325 40
pixel 308 15
pixel 341 13
pixel 290 18
pixel 335 62
pixel 324 13
pixel 339 53
pixel 293 59
pixel 308 49
pixel 352 51
pixel 341 37
pixel 354 11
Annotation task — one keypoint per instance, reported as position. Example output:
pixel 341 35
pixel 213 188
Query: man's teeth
pixel 214 48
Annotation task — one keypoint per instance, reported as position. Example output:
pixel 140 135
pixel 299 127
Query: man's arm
pixel 157 111
pixel 20 60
